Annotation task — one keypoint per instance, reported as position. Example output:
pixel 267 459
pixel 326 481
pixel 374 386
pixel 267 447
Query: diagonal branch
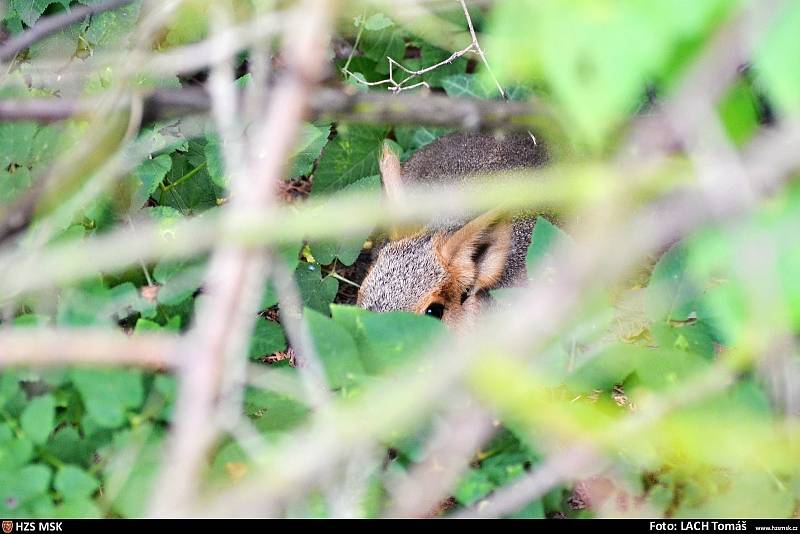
pixel 227 315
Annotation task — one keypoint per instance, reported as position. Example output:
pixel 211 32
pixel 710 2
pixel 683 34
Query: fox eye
pixel 435 310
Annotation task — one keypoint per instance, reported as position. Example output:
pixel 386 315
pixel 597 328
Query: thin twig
pixel 476 45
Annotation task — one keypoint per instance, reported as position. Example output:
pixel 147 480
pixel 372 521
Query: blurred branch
pixel 49 25
pixel 324 104
pixel 464 428
pixel 586 457
pixel 37 347
pixel 670 126
pixel 768 163
pixel 556 469
pixel 236 274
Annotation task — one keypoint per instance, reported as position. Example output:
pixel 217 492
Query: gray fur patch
pixel 402 274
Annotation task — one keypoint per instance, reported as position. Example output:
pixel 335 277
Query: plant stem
pixel 342 278
pixel 185 177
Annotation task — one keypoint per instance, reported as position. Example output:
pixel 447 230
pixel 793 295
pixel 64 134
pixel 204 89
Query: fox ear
pixel 391 173
pixel 475 255
pixel 393 187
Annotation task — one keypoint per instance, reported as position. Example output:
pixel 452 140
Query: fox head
pixel 446 271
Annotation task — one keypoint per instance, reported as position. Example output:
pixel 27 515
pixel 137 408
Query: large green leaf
pixel 546 236
pixel 672 294
pixel 109 394
pixel 351 156
pixel 38 418
pixel 346 250
pixel 387 340
pixel 74 483
pixel 313 139
pixel 272 412
pixel 30 10
pixel 147 177
pixel 317 292
pixel 596 56
pixel 18 488
pixel 336 349
pixel 778 59
pixel 114 27
pixel 267 338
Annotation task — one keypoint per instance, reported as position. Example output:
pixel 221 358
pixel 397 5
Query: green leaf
pixel 69 446
pixel 12 184
pixel 336 349
pixel 739 112
pixel 387 340
pixel 215 160
pixel 114 27
pixel 14 451
pixel 666 368
pixel 139 452
pixel 77 509
pixel 146 325
pixel 533 510
pixel 17 488
pixel 30 10
pixel 671 294
pixel 544 239
pixel 9 387
pixel 16 141
pixel 696 337
pixel 346 250
pixel 190 188
pixel 506 459
pixel 89 305
pixel 313 139
pixel 413 138
pixel 189 23
pixel 272 412
pixel 388 42
pixel 430 55
pixel 604 370
pixel 378 21
pixel 778 59
pixel 596 57
pixel 74 483
pixel 351 156
pixel 38 418
pixel 147 178
pixel 267 338
pixel 473 487
pixel 317 292
pixel 469 86
pixel 108 394
pixel 179 280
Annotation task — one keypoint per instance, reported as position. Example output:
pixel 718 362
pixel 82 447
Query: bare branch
pixel 464 428
pixel 47 347
pixel 556 469
pixel 324 104
pixel 227 315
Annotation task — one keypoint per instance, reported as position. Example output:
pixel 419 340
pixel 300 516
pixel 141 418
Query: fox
pixel 448 268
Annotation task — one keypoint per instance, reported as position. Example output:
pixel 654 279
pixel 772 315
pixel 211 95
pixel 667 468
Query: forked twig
pixel 396 86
